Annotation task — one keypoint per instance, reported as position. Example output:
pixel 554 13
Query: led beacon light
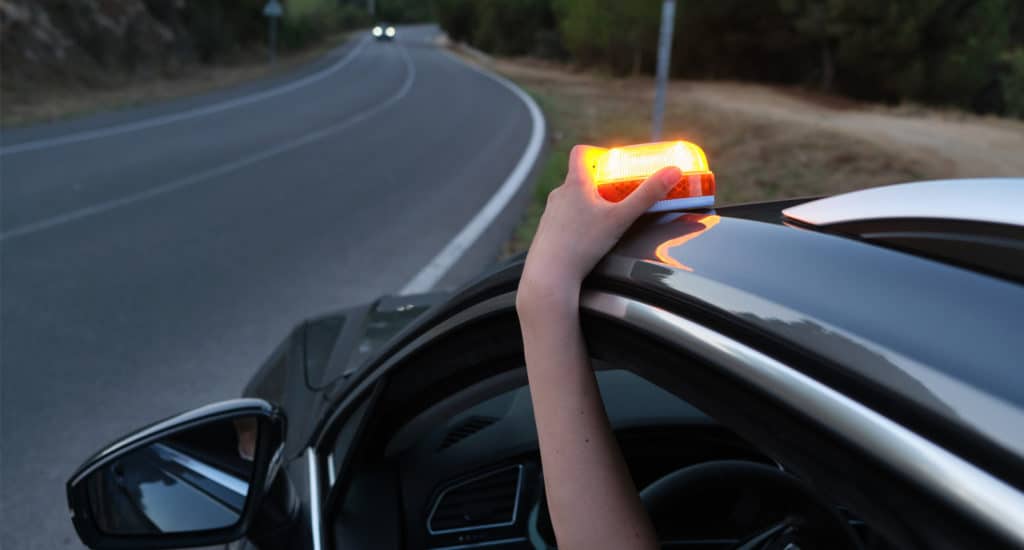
pixel 620 170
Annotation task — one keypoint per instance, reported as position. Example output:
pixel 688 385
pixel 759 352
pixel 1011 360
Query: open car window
pixel 459 456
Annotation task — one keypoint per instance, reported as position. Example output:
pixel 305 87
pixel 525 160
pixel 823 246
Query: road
pixel 151 258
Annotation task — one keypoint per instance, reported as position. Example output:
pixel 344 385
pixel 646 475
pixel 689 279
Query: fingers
pixel 652 190
pixel 581 163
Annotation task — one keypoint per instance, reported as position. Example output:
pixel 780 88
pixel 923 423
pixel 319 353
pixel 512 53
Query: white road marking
pixel 222 169
pixel 183 115
pixel 431 273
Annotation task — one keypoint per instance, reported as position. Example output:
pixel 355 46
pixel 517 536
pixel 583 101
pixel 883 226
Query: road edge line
pixel 431 274
pixel 195 112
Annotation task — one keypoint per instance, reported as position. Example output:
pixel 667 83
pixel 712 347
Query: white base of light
pixel 683 204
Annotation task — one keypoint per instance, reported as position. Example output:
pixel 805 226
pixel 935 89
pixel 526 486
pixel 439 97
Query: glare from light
pixel 642 160
pixel 619 171
pixel 377 31
pixel 390 32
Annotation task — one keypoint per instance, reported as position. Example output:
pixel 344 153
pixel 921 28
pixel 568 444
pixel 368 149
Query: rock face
pixel 89 42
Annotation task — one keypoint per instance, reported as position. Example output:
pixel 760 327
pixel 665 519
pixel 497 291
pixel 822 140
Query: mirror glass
pixel 194 480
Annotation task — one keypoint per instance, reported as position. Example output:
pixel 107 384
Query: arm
pixel 591 497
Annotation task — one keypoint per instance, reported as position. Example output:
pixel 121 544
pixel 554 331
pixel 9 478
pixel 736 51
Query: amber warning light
pixel 618 171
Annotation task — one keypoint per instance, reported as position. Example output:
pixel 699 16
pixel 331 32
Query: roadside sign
pixel 273 9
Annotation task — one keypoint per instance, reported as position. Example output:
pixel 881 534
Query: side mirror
pixel 195 479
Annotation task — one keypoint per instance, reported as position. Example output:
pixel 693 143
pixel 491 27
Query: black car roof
pixel 942 337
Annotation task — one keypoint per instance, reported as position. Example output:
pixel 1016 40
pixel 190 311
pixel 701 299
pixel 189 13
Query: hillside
pixel 89 43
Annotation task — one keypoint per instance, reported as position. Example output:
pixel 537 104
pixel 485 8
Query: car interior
pixel 461 460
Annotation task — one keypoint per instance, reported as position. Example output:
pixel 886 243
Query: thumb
pixel 652 190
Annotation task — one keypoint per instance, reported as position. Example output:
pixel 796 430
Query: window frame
pixel 908 522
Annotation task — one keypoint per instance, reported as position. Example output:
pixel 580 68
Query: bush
pixel 1013 82
pixel 218 27
pixel 739 39
pixel 505 27
pixel 457 18
pixel 510 27
pixel 622 36
pixel 966 43
pixel 309 21
pixel 404 11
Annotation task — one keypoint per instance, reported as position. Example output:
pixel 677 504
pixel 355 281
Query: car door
pixel 854 456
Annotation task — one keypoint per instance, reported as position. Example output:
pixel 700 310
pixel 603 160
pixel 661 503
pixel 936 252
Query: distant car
pixel 842 373
pixel 384 31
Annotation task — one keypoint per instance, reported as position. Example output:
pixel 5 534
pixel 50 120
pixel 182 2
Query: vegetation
pixel 755 157
pixel 955 52
pixel 309 21
pixel 219 28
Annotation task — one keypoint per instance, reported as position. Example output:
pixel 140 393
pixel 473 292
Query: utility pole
pixel 668 16
pixel 371 6
pixel 273 11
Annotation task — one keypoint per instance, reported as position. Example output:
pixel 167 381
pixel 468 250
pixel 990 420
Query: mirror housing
pixel 180 464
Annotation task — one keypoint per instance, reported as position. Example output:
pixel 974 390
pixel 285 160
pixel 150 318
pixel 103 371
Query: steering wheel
pixel 772 509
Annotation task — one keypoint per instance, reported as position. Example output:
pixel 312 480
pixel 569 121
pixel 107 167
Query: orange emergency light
pixel 620 170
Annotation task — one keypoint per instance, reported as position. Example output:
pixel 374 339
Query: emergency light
pixel 620 170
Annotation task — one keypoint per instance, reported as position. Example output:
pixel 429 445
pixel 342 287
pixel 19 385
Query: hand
pixel 579 227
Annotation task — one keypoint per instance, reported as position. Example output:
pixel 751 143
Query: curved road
pixel 151 258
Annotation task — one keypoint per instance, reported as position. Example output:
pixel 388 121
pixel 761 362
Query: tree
pixel 621 35
pixel 823 23
pixel 457 18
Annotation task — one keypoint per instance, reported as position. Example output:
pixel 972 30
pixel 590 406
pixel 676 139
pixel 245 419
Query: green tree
pixel 404 11
pixel 963 45
pixel 457 18
pixel 737 39
pixel 1013 82
pixel 936 50
pixel 510 27
pixel 822 22
pixel 620 35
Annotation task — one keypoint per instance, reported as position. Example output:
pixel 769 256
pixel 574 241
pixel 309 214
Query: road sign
pixel 273 9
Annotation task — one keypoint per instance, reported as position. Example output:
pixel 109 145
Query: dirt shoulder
pixel 961 144
pixel 763 142
pixel 51 103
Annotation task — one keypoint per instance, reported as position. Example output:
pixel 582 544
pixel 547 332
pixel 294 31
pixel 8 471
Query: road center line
pixel 222 169
pixel 432 273
pixel 171 118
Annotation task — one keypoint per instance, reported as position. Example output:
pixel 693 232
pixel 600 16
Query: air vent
pixel 483 502
pixel 465 429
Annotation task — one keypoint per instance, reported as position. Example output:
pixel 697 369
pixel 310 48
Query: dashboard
pixel 472 478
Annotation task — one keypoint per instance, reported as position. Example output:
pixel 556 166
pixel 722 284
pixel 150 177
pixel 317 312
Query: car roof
pixel 939 336
pixel 983 200
pixel 977 223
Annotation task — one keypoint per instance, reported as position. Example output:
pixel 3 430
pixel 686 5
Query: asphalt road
pixel 151 258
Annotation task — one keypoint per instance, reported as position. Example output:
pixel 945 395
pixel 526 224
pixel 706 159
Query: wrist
pixel 543 293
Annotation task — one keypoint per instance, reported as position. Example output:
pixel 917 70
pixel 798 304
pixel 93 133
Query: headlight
pixel 390 31
pixel 377 31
